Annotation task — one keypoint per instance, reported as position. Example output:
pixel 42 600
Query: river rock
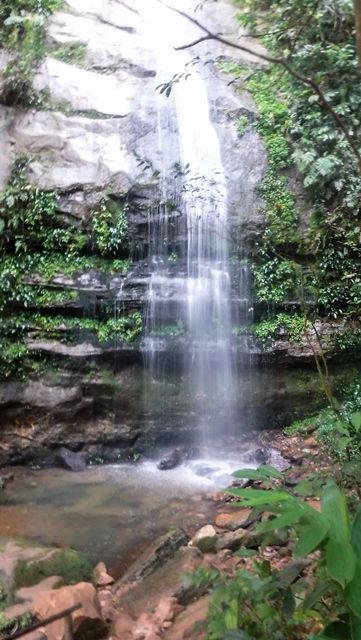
pixel 233 520
pixel 231 540
pixel 87 621
pixel 154 557
pixel 171 461
pixel 71 460
pixel 205 539
pixel 23 564
pixel 101 576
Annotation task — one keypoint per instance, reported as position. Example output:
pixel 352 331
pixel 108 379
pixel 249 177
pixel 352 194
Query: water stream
pixel 190 281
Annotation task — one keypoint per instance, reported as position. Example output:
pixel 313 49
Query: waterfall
pixel 190 280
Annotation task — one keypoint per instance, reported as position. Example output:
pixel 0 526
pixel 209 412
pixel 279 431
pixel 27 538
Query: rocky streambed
pixel 144 592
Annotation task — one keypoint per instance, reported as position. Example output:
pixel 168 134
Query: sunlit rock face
pixel 99 133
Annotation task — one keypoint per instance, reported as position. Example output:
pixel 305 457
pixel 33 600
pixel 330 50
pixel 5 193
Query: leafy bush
pixel 278 604
pixel 110 228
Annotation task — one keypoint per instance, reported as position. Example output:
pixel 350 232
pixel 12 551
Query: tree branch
pixel 209 35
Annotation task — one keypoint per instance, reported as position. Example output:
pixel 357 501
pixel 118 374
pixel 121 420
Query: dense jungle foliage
pixel 320 264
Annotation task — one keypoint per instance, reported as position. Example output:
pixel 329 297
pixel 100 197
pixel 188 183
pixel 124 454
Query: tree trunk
pixel 357 14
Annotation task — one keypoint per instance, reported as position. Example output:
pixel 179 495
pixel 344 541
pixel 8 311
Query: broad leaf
pixel 355 627
pixel 270 472
pixel 356 534
pixel 353 592
pixel 340 561
pixel 334 508
pixel 286 519
pixel 356 420
pixel 310 536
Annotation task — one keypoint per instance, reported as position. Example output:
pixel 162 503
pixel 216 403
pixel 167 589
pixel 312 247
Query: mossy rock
pixel 72 566
pixel 25 563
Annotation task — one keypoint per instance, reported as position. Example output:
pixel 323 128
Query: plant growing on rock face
pixel 109 228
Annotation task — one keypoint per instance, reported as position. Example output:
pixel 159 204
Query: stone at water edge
pixel 231 540
pixel 70 459
pixel 101 576
pixel 233 520
pixel 205 539
pixel 87 621
pixel 171 461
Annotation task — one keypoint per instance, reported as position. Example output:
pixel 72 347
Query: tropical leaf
pixel 340 561
pixel 334 508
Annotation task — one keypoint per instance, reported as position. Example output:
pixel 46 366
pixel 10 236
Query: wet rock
pixel 5 478
pixel 261 455
pixel 171 461
pixel 167 580
pixel 71 460
pixel 154 557
pixel 231 540
pixel 87 621
pixel 22 564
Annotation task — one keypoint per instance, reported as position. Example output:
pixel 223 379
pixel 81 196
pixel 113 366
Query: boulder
pixel 87 621
pixel 101 576
pixel 205 539
pixel 74 461
pixel 231 540
pixel 171 461
pixel 22 564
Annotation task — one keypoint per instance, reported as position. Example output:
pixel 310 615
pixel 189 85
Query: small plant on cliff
pixel 110 228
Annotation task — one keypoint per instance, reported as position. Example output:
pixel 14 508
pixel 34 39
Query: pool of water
pixel 112 512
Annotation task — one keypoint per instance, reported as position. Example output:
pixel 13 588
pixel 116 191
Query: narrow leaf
pixel 256 497
pixel 285 520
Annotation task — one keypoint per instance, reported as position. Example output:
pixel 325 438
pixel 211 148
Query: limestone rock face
pixel 99 135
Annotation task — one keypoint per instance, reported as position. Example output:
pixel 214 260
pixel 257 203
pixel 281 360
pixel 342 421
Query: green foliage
pixel 332 532
pixel 292 325
pixel 36 245
pixel 276 279
pixel 12 355
pixel 71 53
pixel 110 228
pixel 9 626
pixel 22 29
pixel 241 125
pixel 318 42
pixel 339 433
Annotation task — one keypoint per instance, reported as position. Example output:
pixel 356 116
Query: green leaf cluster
pixel 22 30
pixel 331 531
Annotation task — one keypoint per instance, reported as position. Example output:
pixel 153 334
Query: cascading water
pixel 190 280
